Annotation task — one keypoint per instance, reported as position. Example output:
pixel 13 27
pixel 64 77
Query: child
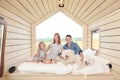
pixel 41 53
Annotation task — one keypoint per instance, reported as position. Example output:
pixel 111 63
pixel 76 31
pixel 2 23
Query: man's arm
pixel 81 55
pixel 79 50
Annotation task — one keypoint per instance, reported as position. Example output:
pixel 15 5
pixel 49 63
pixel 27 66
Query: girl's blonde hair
pixel 40 48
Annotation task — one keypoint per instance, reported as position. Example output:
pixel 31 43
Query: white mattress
pixel 100 66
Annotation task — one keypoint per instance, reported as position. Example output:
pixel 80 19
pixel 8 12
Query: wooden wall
pixel 18 43
pixel 21 14
pixel 109 39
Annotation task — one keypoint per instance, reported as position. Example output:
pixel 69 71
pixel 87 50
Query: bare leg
pixel 53 61
pixel 34 61
pixel 47 61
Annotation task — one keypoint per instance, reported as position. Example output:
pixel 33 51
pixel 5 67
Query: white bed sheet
pixel 58 68
pixel 100 66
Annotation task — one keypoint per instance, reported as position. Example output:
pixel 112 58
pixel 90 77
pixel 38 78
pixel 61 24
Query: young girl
pixel 54 48
pixel 41 53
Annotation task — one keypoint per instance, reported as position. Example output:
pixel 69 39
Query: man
pixel 73 46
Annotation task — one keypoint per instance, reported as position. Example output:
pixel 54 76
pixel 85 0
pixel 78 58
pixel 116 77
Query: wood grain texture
pixel 109 39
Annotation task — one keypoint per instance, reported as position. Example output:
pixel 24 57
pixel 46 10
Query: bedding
pixel 95 66
pixel 100 66
pixel 58 68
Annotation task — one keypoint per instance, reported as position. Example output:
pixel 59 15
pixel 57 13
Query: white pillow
pixel 89 52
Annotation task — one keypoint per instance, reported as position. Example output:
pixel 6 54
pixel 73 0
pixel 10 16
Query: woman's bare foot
pixel 53 61
pixel 47 61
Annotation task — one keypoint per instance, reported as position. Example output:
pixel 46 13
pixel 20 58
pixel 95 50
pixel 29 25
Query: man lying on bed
pixel 73 46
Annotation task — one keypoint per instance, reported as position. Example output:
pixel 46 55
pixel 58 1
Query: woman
pixel 54 48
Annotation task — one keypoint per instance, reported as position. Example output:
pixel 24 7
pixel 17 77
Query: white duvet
pixel 58 68
pixel 100 66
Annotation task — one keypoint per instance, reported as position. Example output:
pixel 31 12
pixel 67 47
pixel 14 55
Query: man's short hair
pixel 68 36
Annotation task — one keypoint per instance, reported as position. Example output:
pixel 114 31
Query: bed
pixel 40 71
pixel 59 68
pixel 99 65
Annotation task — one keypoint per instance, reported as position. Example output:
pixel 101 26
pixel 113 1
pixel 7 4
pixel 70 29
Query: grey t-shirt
pixel 55 48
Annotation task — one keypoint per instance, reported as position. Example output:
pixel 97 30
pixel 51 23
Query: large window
pixel 95 39
pixel 62 24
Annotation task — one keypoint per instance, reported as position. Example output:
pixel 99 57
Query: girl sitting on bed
pixel 41 53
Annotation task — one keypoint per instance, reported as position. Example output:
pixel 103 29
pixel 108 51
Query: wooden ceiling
pixel 86 11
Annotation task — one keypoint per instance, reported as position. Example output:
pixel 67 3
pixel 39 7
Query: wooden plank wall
pixel 109 39
pixel 18 39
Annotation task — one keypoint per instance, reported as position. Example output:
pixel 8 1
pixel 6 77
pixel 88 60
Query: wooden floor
pixel 31 76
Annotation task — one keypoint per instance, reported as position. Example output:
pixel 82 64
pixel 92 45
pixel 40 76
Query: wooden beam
pixel 85 7
pixel 46 5
pixel 55 4
pixel 76 11
pixel 70 3
pixel 66 4
pixel 50 2
pixel 15 17
pixel 36 8
pixel 96 4
pixel 75 3
pixel 10 7
pixel 115 6
pixel 28 8
pixel 41 6
pixel 33 39
pixel 99 9
pixel 85 36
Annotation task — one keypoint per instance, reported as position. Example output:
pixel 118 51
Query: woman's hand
pixel 48 48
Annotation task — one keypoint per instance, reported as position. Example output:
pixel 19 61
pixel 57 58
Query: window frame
pixel 92 32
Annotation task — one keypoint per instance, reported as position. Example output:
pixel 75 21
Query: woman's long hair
pixel 59 40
